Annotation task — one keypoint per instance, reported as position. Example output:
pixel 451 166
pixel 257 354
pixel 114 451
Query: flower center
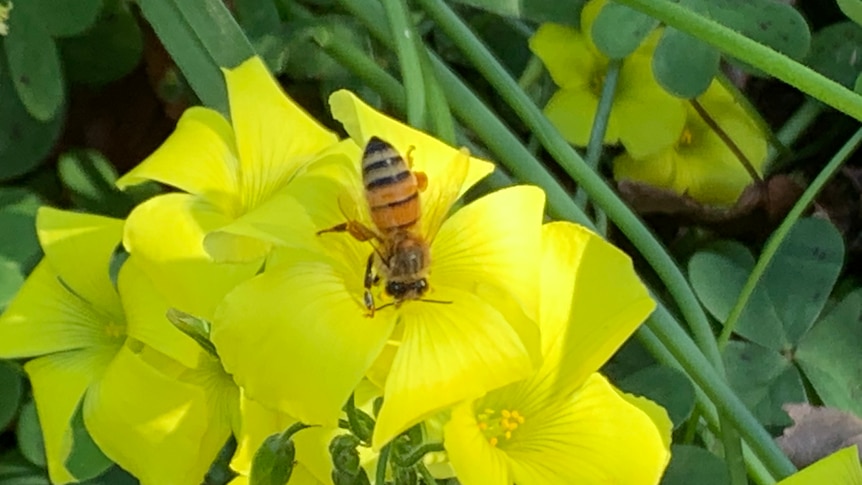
pixel 686 138
pixel 496 425
pixel 115 330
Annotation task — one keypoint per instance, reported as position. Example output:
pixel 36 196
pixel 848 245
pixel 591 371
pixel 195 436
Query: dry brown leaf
pixel 817 432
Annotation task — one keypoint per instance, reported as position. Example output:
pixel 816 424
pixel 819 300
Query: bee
pixel 401 253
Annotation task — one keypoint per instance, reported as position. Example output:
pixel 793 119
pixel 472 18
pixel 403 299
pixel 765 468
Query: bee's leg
pixel 354 228
pixel 370 278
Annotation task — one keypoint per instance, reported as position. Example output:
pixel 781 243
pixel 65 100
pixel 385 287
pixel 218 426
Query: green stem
pixel 793 128
pixel 426 474
pixel 532 72
pixel 382 461
pixel 730 408
pixel 401 30
pixel 575 166
pixel 704 408
pixel 363 66
pixel 442 124
pixel 600 123
pixel 758 55
pixel 786 225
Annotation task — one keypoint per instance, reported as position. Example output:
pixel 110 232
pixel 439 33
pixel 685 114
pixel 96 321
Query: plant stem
pixel 780 234
pixel 758 55
pixel 730 408
pixel 382 461
pixel 793 128
pixel 704 407
pixel 600 123
pixel 404 36
pixel 426 474
pixel 726 139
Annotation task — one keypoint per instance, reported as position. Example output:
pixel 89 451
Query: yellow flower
pixel 644 117
pixel 839 468
pixel 700 164
pixel 566 424
pixel 298 338
pixel 91 346
pixel 237 175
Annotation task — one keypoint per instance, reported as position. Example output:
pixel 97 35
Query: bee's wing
pixel 440 196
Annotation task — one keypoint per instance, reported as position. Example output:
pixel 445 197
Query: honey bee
pixel 401 253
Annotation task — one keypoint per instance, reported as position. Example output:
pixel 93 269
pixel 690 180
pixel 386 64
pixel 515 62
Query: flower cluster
pixel 668 142
pixel 273 248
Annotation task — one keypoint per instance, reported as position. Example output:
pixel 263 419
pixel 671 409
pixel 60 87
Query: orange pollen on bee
pixel 496 426
pixel 115 330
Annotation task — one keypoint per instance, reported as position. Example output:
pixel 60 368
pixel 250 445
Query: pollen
pixel 499 427
pixel 115 330
pixel 686 138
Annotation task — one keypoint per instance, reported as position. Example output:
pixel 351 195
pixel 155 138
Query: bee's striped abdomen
pixel 390 187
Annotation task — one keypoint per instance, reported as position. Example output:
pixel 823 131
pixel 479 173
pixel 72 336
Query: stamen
pixel 115 330
pixel 686 138
pixel 496 426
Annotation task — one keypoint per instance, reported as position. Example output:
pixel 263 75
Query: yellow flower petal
pixel 428 154
pixel 607 441
pixel 175 260
pixel 656 413
pixel 45 317
pixel 841 467
pixel 594 436
pixel 449 353
pixel 591 302
pixel 199 157
pixel 59 382
pixel 566 55
pixel 146 313
pixel 274 136
pixel 658 170
pixel 572 111
pixel 649 118
pixel 494 240
pixel 157 428
pixel 474 460
pixel 79 248
pixel 297 340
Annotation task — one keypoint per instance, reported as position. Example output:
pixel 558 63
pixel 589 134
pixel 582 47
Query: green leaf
pixel 201 37
pixel 38 79
pixel 11 391
pixel 16 470
pixel 259 19
pixel 86 460
pixel 18 241
pixel 666 386
pixel 108 51
pixel 764 380
pixel 29 435
pixel 829 355
pixel 90 178
pixel 618 30
pixel 835 52
pixel 24 140
pixel 64 18
pixel 677 49
pixel 559 11
pixel 11 279
pixel 692 464
pixel 791 293
pixel 19 199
